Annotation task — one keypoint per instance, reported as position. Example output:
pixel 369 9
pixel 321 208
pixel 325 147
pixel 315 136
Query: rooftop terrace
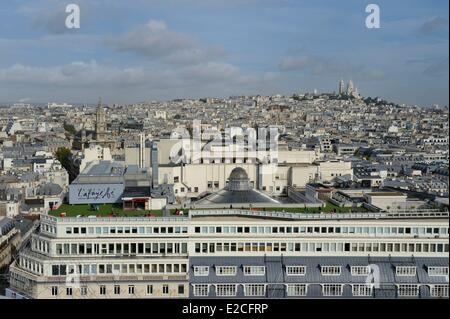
pixel 417 214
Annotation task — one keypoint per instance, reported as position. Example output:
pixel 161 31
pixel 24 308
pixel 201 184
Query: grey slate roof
pixel 49 189
pixel 276 275
pixel 6 225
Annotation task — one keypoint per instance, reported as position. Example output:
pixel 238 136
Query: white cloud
pixel 76 74
pixel 156 41
pixel 87 74
pixel 436 24
pixel 127 84
pixel 50 15
pixel 329 67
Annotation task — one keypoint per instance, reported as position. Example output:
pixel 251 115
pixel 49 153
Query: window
pixel 201 270
pixel 332 290
pixel 225 270
pixel 362 290
pixel 255 290
pixel 83 290
pixel 408 290
pixel 201 290
pixel 405 270
pixel 181 289
pixel 165 289
pixel 54 291
pixel 225 290
pixel 331 270
pixel 295 270
pixel 437 271
pixel 131 290
pixel 360 270
pixel 296 290
pixel 149 289
pixel 69 291
pixel 117 290
pixel 254 270
pixel 102 290
pixel 439 291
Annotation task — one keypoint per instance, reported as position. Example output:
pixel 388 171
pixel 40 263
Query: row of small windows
pixel 119 269
pixel 121 248
pixel 326 270
pixel 433 271
pixel 328 290
pixel 116 290
pixel 412 290
pixel 207 248
pixel 258 270
pixel 438 271
pixel 125 230
pixel 230 270
pixel 48 228
pixel 40 245
pixel 430 231
pixel 230 290
pixel 31 265
pixel 406 271
pixel 104 290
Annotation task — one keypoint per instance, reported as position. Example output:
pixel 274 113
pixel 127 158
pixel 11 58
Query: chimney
pixel 155 168
pixel 142 151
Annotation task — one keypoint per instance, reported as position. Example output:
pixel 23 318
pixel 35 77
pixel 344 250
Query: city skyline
pixel 147 50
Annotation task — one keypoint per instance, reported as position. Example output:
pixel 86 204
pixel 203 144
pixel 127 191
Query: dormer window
pixel 437 271
pixel 254 270
pixel 405 271
pixel 201 271
pixel 295 270
pixel 360 270
pixel 226 270
pixel 331 270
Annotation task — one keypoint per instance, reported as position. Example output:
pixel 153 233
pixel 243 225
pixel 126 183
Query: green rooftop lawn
pixel 108 209
pixel 104 210
pixel 329 208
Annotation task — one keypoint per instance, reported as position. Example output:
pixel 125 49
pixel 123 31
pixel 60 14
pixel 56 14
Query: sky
pixel 146 50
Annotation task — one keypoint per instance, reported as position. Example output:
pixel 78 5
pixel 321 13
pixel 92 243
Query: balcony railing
pixel 398 214
pixel 322 216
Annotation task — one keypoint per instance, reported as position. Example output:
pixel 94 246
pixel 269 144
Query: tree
pixel 69 128
pixel 63 155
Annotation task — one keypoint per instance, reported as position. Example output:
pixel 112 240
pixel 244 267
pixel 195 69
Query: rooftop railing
pixel 121 219
pixel 321 216
pixel 399 214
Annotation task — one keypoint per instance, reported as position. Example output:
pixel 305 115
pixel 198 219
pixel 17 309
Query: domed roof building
pixel 238 180
pixel 239 192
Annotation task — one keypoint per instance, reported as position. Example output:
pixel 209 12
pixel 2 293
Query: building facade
pixel 237 253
